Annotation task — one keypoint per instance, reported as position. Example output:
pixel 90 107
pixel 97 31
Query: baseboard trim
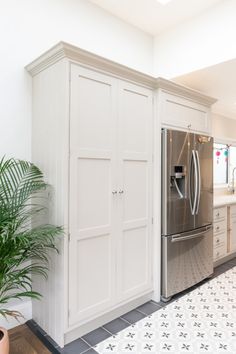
pixel 25 308
pixel 224 259
pixel 49 343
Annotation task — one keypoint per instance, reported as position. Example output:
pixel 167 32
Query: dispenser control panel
pixel 178 171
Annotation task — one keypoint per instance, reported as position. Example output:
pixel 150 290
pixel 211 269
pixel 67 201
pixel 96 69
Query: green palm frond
pixel 21 187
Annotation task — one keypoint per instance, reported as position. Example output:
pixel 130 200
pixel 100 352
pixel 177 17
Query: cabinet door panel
pixel 92 180
pixel 135 152
pixel 135 125
pixel 92 98
pixel 91 289
pixel 135 180
pixel 232 233
pixel 135 251
pixel 183 113
pixel 93 190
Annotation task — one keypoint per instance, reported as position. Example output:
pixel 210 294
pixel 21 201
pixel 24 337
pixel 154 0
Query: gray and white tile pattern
pixel 203 321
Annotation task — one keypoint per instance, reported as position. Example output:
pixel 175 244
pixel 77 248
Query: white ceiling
pixel 218 81
pixel 152 17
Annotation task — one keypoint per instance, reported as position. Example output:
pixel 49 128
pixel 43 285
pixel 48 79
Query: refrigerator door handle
pixel 178 238
pixel 199 183
pixel 193 168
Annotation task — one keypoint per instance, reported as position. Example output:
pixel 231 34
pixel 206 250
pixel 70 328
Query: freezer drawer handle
pixel 184 238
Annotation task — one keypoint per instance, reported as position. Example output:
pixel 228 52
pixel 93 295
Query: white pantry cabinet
pixel 96 131
pixel 93 138
pixel 110 192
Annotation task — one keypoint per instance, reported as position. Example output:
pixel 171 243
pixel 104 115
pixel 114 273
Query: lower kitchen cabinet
pixel 220 233
pixel 232 229
pixel 224 231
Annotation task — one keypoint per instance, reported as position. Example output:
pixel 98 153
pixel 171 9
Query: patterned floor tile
pixel 202 321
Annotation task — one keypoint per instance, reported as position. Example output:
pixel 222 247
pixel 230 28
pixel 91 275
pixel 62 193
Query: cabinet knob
pixel 217 228
pixel 114 192
pixel 218 214
pixel 121 191
pixel 217 240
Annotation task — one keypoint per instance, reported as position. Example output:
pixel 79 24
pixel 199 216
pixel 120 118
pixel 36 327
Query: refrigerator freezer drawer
pixel 186 260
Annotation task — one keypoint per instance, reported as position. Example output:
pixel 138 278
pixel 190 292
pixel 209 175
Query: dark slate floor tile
pixel 78 346
pixel 220 270
pixel 161 303
pixel 96 336
pixel 133 316
pixel 225 265
pixel 90 351
pixel 232 262
pixel 116 325
pixel 148 308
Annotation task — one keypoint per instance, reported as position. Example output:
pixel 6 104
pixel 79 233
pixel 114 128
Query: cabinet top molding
pixel 71 52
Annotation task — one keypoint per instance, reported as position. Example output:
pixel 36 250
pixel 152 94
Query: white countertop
pixel 221 200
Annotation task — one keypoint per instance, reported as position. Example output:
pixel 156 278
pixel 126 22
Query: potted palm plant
pixel 24 240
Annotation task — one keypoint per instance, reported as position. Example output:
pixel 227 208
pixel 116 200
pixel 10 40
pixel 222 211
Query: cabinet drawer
pixel 220 239
pixel 219 252
pixel 220 214
pixel 219 227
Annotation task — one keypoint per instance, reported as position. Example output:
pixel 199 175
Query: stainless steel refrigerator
pixel 187 210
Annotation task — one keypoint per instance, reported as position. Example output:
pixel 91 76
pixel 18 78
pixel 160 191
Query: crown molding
pixel 185 91
pixel 65 50
pixel 71 52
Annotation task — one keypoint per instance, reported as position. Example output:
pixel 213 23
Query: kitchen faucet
pixel 231 188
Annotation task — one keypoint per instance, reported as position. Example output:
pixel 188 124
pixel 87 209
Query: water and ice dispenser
pixel 178 174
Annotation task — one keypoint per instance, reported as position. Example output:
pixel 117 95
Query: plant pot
pixel 4 341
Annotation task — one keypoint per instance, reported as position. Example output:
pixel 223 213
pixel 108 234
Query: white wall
pixel 223 127
pixel 24 307
pixel 200 42
pixel 30 27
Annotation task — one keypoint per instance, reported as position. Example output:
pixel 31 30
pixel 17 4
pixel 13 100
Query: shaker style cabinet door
pixel 134 192
pixel 232 237
pixel 183 113
pixel 92 193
